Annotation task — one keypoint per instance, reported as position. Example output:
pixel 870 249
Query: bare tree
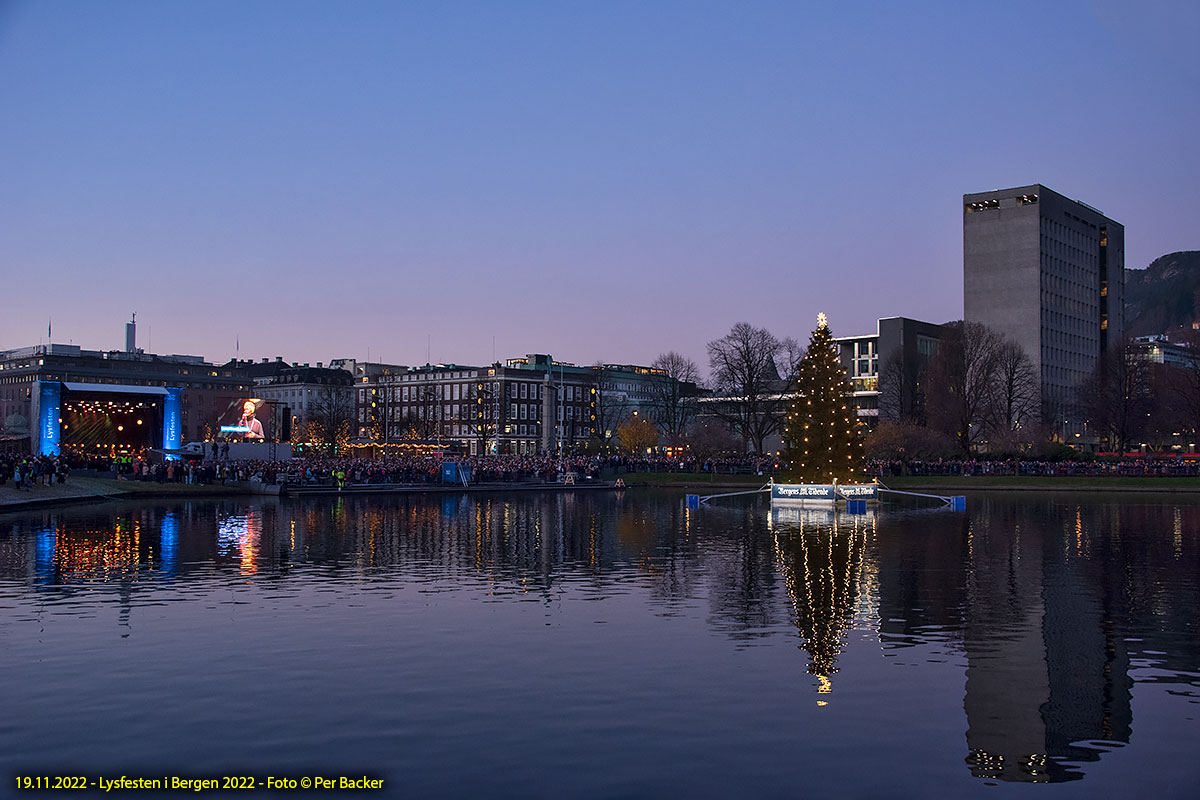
pixel 429 410
pixel 891 388
pixel 961 380
pixel 1167 417
pixel 673 393
pixel 900 395
pixel 1183 384
pixel 613 405
pixel 791 353
pixel 331 415
pixel 746 378
pixel 1015 397
pixel 1116 396
pixel 902 373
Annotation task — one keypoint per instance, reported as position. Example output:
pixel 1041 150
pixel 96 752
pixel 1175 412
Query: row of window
pixel 437 376
pixel 864 367
pixel 517 390
pixel 468 431
pixel 1085 277
pixel 1062 376
pixel 1068 312
pixel 467 411
pixel 281 394
pixel 1068 360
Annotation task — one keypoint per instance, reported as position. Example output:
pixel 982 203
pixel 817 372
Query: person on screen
pixel 253 426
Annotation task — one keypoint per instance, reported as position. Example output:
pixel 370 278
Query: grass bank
pixel 1064 482
pixel 687 479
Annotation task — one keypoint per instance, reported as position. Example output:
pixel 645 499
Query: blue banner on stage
pixel 49 418
pixel 172 420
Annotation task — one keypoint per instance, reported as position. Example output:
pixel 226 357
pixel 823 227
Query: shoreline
pixel 944 484
pixel 958 487
pixel 83 490
pixel 78 491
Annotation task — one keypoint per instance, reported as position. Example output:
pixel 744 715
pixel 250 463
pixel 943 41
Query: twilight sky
pixel 600 181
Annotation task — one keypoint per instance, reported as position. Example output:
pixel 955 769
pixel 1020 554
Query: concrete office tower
pixel 1048 272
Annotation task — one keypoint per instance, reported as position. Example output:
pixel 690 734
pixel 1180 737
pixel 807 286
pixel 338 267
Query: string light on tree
pixel 821 444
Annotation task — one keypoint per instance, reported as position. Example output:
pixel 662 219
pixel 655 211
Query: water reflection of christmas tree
pixel 822 565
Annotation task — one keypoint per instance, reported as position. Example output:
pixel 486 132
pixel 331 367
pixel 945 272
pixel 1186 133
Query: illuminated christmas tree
pixel 820 441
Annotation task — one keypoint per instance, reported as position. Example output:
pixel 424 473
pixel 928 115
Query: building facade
pixel 569 400
pixel 525 406
pixel 886 368
pixel 394 403
pixel 532 404
pixel 1048 272
pixel 1159 349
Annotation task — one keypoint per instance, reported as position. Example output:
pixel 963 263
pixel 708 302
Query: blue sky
pixel 602 181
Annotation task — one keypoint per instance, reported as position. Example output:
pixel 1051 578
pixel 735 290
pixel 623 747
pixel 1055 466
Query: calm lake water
pixel 554 645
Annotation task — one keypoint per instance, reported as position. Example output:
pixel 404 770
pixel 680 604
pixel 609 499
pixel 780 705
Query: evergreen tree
pixel 820 440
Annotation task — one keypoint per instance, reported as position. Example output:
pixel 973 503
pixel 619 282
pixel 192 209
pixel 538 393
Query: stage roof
pixel 114 388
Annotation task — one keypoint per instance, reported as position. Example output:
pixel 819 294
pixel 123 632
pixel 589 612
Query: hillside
pixel 1164 295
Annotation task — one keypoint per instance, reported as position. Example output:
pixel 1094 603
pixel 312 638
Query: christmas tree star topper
pixel 822 320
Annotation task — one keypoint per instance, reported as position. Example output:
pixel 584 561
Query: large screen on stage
pixel 248 419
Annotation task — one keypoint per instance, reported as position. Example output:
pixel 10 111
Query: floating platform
pixel 826 495
pixel 854 498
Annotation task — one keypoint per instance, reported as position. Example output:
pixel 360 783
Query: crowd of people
pixel 428 469
pixel 391 469
pixel 27 472
pixel 530 468
pixel 1125 467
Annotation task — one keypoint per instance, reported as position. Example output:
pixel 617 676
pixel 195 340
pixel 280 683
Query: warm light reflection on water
pixel 611 645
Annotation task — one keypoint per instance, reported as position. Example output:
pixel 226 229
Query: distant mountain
pixel 1164 296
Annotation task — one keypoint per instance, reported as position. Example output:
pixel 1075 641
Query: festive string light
pixel 824 414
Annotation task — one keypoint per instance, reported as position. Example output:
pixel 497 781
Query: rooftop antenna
pixel 428 360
